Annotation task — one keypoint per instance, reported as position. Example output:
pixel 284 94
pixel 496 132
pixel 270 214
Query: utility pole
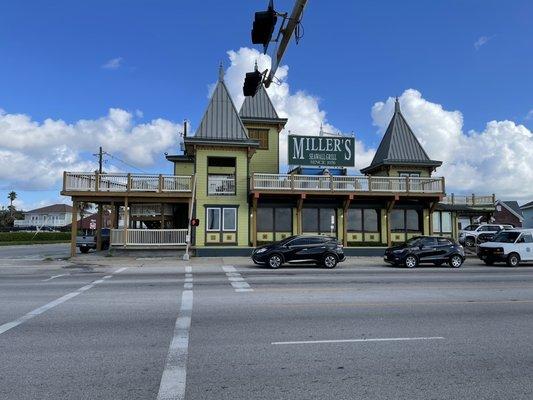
pixel 100 160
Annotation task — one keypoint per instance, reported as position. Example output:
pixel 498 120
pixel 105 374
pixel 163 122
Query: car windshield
pixel 506 237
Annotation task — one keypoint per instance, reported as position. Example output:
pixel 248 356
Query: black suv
pixel 426 249
pixel 322 250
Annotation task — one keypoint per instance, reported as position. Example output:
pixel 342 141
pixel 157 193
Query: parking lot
pixel 214 328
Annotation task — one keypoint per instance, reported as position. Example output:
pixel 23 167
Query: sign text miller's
pixel 321 150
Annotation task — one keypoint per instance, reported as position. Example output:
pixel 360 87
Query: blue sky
pixel 352 55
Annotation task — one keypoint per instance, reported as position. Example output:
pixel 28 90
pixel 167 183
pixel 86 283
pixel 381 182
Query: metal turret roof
pixel 259 106
pixel 400 146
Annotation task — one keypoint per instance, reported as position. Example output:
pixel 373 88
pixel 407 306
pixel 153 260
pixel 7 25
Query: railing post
pixel 369 183
pixel 453 199
pixel 160 187
pixel 128 182
pixel 96 181
pixel 493 198
pixel 64 180
pixel 252 183
pixel 443 188
pixel 473 199
pixel 407 183
pixel 291 179
pixel 331 182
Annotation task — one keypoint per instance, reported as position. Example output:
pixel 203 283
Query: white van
pixel 510 246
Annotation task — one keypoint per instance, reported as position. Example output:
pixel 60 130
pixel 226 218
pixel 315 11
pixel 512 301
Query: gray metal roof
pixel 221 120
pixel 527 205
pixel 513 205
pixel 400 145
pixel 259 106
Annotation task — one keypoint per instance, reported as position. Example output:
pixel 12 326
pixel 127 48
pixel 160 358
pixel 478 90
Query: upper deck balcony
pixel 90 183
pixel 364 185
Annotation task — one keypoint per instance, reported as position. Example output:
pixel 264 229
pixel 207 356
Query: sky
pixel 125 74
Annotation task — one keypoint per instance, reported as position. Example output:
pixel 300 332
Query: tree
pixel 11 196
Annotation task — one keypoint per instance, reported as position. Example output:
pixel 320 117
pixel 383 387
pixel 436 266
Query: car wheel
pixel 84 250
pixel 470 242
pixel 411 261
pixel 275 261
pixel 488 262
pixel 513 260
pixel 456 261
pixel 329 261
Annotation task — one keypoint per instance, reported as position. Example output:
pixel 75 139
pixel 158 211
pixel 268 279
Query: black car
pixel 322 250
pixel 426 249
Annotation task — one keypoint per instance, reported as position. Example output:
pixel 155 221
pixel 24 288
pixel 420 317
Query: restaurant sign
pixel 332 151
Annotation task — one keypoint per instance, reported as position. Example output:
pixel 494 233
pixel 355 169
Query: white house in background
pixel 55 216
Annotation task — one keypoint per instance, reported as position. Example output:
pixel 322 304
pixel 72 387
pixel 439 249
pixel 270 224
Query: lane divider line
pixel 399 339
pixel 236 280
pixel 54 277
pixel 174 378
pixel 54 303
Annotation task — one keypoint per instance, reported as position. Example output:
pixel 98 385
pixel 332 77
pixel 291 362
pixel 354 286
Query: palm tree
pixel 11 196
pixel 83 207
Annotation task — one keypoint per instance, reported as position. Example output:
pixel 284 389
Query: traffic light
pixel 252 81
pixel 195 222
pixel 263 26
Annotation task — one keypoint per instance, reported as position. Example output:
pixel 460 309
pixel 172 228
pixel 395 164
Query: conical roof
pixel 258 107
pixel 400 146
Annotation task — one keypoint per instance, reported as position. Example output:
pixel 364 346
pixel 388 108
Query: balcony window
pixel 442 222
pixel 220 184
pixel 221 219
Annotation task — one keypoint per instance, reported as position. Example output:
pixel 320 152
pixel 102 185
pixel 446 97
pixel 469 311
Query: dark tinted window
pixel 283 219
pixel 429 242
pixel 506 237
pixel 265 220
pixel 412 220
pixel 221 162
pixel 316 240
pixel 310 219
pixel 484 228
pixel 371 220
pixel 326 217
pixel 444 241
pixel 528 238
pixel 355 220
pixel 397 220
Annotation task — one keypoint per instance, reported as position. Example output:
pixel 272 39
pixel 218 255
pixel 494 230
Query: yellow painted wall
pixel 266 161
pixel 183 169
pixel 384 225
pixel 425 221
pixel 239 199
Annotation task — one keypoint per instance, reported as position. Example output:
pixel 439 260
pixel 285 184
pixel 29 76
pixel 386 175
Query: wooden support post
pixel 388 210
pixel 128 183
pixel 64 180
pixel 162 215
pixel 113 215
pixel 74 228
pixel 299 206
pixel 345 220
pixel 254 220
pixel 407 184
pixel 160 185
pixel 126 218
pixel 99 224
pixel 96 181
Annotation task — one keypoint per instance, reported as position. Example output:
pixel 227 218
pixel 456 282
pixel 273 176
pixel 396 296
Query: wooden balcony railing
pixel 94 182
pixel 148 237
pixel 324 183
pixel 470 200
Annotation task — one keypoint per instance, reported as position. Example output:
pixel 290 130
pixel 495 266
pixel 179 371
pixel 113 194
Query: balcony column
pixel 345 220
pixel 299 205
pixel 74 228
pixel 162 215
pixel 388 210
pixel 99 224
pixel 254 220
pixel 126 220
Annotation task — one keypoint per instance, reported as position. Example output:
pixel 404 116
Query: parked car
pixel 469 237
pixel 88 241
pixel 509 246
pixel 426 249
pixel 323 250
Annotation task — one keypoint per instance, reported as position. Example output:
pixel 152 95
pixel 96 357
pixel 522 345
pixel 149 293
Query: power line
pixel 124 162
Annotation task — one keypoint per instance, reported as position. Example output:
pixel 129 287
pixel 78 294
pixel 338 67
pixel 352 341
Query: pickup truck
pixel 88 241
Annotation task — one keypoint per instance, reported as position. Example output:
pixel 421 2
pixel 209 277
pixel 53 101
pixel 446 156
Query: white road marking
pixel 53 277
pixel 38 311
pixel 400 339
pixel 236 280
pixel 173 380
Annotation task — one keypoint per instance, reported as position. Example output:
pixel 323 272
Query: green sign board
pixel 331 151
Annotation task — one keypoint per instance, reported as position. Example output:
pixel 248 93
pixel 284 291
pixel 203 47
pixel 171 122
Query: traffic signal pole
pixel 186 256
pixel 294 19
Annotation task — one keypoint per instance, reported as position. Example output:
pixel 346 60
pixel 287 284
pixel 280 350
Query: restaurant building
pixel 228 178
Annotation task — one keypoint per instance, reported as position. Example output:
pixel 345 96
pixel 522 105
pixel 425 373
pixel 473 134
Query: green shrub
pixel 31 236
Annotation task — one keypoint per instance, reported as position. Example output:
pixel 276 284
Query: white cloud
pixel 114 63
pixel 34 155
pixel 498 159
pixel 529 115
pixel 481 41
pixel 302 109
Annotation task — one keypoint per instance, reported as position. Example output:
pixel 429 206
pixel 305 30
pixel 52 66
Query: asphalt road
pixel 136 329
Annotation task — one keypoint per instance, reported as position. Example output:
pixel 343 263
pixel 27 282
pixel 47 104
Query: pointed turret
pixel 399 147
pixel 221 122
pixel 259 107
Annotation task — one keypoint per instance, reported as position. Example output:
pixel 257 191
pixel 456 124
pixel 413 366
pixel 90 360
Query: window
pixel 528 238
pixel 442 222
pixel 221 162
pixel 319 220
pixel 221 218
pixel 261 135
pixel 229 219
pixel 410 174
pixel 274 219
pixel 405 221
pixel 362 220
pixel 444 242
pixel 213 219
pixel 428 242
